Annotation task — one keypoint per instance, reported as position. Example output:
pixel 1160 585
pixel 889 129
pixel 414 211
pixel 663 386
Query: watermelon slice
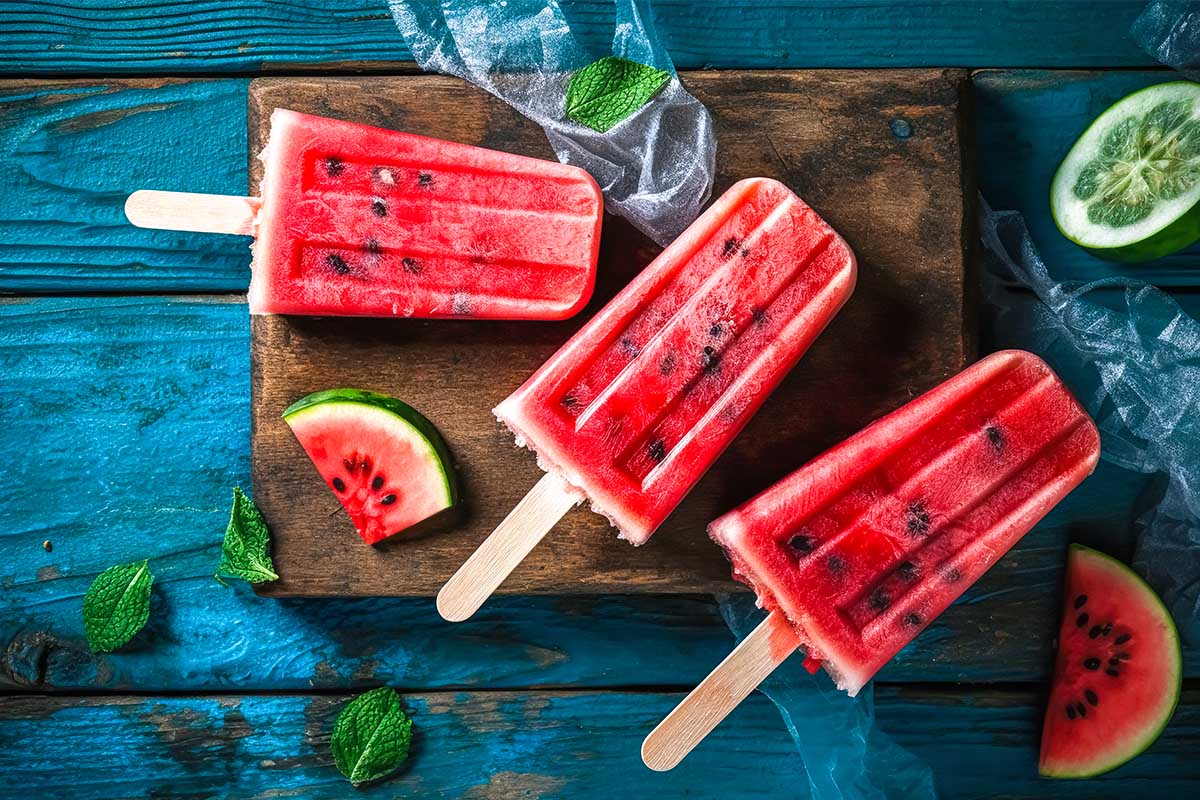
pixel 385 462
pixel 1118 674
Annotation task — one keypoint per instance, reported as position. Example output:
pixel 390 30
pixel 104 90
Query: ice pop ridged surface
pixel 868 543
pixel 371 222
pixel 642 400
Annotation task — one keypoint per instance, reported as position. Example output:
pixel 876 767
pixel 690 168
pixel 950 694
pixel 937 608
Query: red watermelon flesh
pixel 863 547
pixel 385 463
pixel 370 222
pixel 643 399
pixel 1118 671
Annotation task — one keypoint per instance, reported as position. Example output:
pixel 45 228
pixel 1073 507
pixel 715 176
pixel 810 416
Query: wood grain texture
pixel 897 199
pixel 70 153
pixel 1026 121
pixel 508 745
pixel 61 227
pixel 130 415
pixel 176 36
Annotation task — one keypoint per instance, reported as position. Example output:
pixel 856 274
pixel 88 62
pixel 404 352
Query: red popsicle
pixel 641 401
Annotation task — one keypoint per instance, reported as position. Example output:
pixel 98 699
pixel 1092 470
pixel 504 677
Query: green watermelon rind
pixel 422 428
pixel 1143 740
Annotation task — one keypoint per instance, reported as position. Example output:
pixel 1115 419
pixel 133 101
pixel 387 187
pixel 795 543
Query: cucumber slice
pixel 1129 189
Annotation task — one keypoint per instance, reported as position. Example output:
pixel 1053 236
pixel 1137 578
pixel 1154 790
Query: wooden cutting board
pixel 881 155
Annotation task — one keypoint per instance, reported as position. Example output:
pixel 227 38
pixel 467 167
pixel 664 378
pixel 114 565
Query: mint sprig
pixel 607 91
pixel 245 550
pixel 371 736
pixel 117 605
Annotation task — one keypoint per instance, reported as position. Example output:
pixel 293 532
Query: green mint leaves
pixel 371 736
pixel 607 91
pixel 245 551
pixel 117 605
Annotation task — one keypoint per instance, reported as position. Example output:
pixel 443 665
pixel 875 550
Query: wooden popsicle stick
pixel 506 547
pixel 729 684
pixel 186 211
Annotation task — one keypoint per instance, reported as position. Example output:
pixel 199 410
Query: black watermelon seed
pixel 374 247
pixel 745 252
pixel 387 500
pixel 377 483
pixel 1107 629
pixel 918 519
pixel 1080 601
pixel 629 347
pixel 912 619
pixel 1070 712
pixel 1095 631
pixel 801 544
pixel 425 180
pixel 334 166
pixel 1123 638
pixel 1114 661
pixel 1091 663
pixel 410 266
pixel 1112 672
pixel 339 484
pixel 879 600
pixel 996 439
pixel 1082 709
pixel 378 207
pixel 715 330
pixel 758 316
pixel 337 264
pixel 730 247
pixel 1123 655
pixel 1091 697
pixel 569 400
pixel 710 360
pixel 349 465
pixel 837 564
pixel 657 451
pixel 907 570
pixel 667 366
pixel 1081 620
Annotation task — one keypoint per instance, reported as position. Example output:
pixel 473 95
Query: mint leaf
pixel 117 605
pixel 244 553
pixel 607 91
pixel 371 736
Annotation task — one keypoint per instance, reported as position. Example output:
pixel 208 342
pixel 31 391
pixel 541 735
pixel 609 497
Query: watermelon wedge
pixel 1118 673
pixel 385 463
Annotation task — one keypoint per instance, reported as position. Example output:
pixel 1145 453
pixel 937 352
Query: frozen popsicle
pixel 360 221
pixel 857 552
pixel 637 405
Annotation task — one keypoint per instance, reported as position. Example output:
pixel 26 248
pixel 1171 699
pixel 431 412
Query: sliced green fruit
pixel 385 462
pixel 1118 672
pixel 1129 189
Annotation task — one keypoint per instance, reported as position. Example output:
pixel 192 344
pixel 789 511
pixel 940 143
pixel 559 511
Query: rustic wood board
pixel 879 154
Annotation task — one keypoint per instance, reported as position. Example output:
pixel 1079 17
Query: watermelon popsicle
pixel 857 552
pixel 362 221
pixel 635 408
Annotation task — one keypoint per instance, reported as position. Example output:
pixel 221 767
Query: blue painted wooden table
pixel 125 396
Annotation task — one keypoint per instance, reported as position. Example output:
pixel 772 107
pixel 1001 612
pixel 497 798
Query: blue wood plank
pixel 62 229
pixel 1026 121
pixel 497 745
pixel 127 424
pixel 147 36
pixel 71 152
